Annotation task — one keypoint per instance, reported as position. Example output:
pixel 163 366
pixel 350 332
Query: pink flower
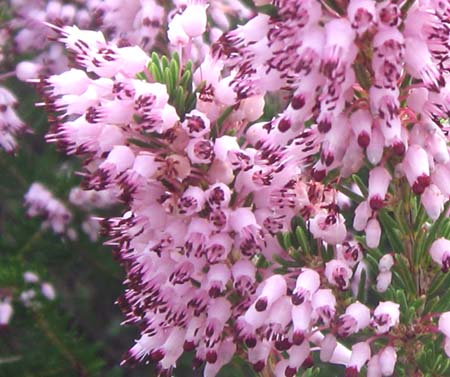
pixel 308 282
pixel 386 262
pixel 217 279
pixel 416 168
pixel 360 355
pixel 356 318
pixel 324 305
pixel 362 215
pixel 385 316
pixel 373 367
pixel 6 312
pixel 298 354
pixel 273 288
pixel 196 124
pixel 373 233
pixel 379 179
pixel 440 253
pixel 192 201
pixel 330 227
pixel 384 281
pixel 193 18
pixel 361 122
pixel 257 355
pixel 225 353
pixel 338 273
pixel 362 14
pixel 48 291
pixel 327 347
pixel 433 201
pixel 444 324
pixel 387 359
pixel 244 278
pixel 301 319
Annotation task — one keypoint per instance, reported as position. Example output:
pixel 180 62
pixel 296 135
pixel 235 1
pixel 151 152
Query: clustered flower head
pixel 10 123
pixel 31 296
pixel 208 188
pixel 41 202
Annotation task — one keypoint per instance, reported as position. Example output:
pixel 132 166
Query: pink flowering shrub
pixel 284 182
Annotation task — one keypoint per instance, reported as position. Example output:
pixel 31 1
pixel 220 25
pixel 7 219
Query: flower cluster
pixel 10 124
pixel 41 202
pixel 211 190
pixel 34 290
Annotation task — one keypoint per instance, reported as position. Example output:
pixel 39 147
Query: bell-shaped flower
pixel 217 279
pixel 360 355
pixel 119 159
pixel 276 323
pixel 387 359
pixel 424 67
pixel 257 355
pixel 218 195
pixel 356 318
pixel 273 288
pixel 219 312
pixel 196 124
pixel 200 150
pixel 308 282
pixel 373 367
pixel 249 237
pixel 192 201
pixel 324 305
pixel 172 348
pixel 385 316
pixel 379 179
pixel 444 324
pixel 338 273
pixel 416 168
pixel 362 14
pixel 441 178
pixel 197 235
pixel 440 253
pixel 218 247
pixel 301 320
pixel 328 226
pixel 225 353
pixel 362 215
pixel 297 356
pixel 437 146
pixel 433 201
pixel 361 122
pixel 244 276
pixel 338 43
pixel 327 347
pixel 194 19
pixel 349 252
pixel 175 32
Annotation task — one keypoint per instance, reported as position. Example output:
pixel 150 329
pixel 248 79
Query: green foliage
pixel 177 79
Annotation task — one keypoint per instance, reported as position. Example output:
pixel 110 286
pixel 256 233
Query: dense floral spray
pixel 234 157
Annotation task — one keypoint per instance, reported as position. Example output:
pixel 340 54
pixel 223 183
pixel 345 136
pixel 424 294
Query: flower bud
pixel 193 19
pixel 373 233
pixel 388 358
